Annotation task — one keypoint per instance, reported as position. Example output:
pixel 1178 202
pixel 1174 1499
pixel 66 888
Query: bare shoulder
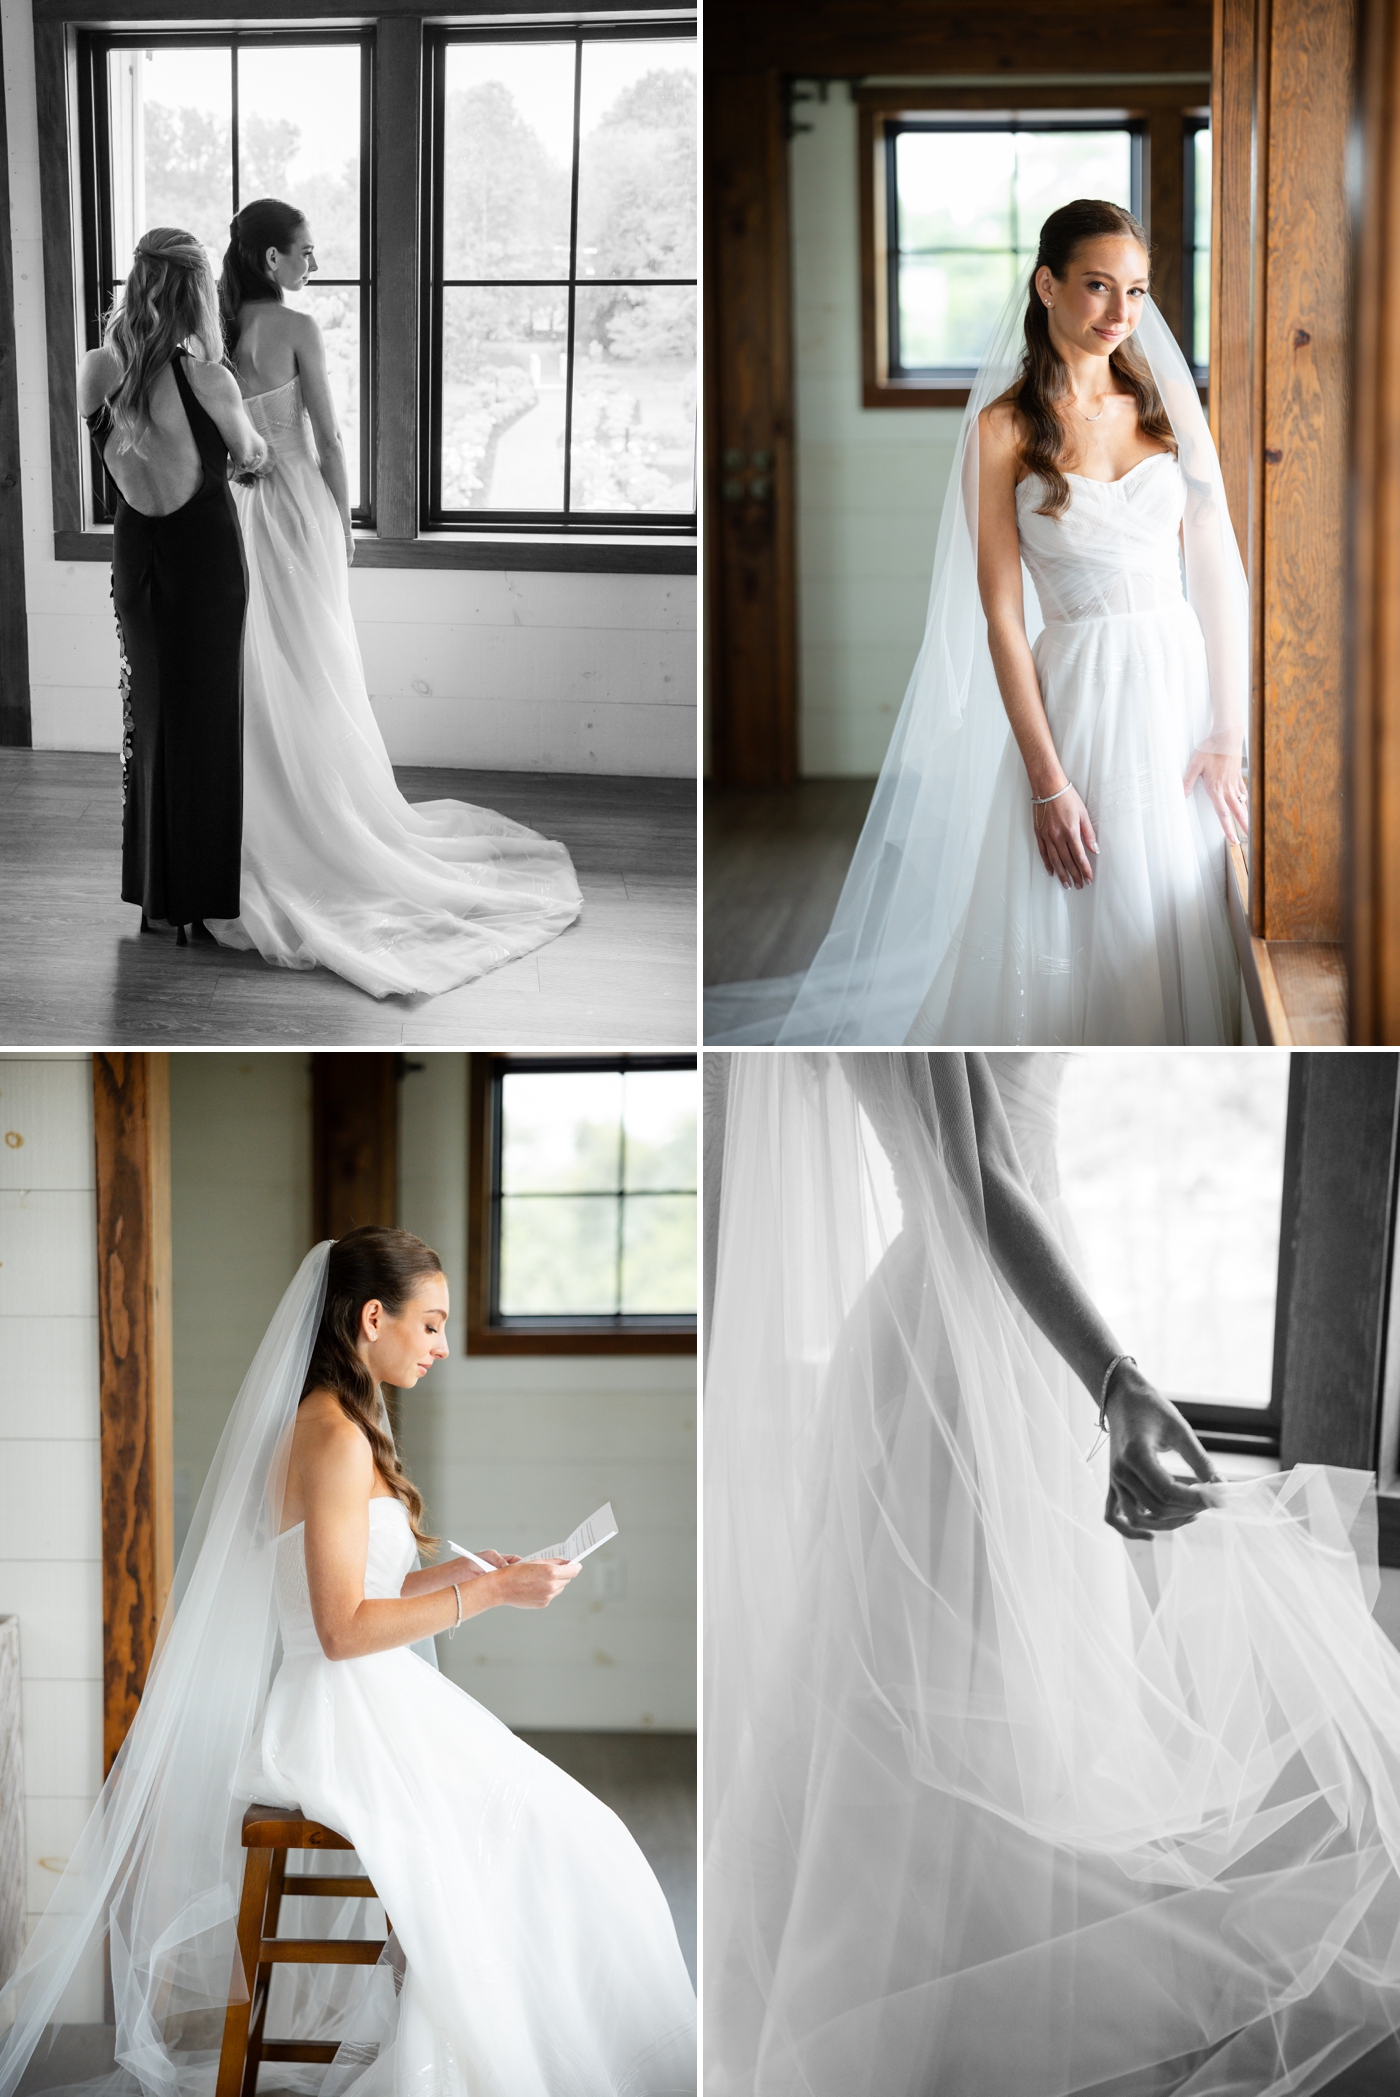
pixel 326 1438
pixel 999 426
pixel 97 375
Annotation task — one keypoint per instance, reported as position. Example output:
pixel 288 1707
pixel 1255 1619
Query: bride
pixel 337 867
pixel 533 1953
pixel 1044 857
pixel 995 1801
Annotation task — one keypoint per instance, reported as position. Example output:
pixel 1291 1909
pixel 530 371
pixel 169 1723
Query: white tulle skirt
pixel 1144 953
pixel 541 1958
pixel 997 1806
pixel 337 867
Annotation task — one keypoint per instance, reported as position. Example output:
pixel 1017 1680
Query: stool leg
pixel 256 1872
pixel 258 2019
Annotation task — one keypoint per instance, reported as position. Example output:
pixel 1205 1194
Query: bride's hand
pixel 1144 1499
pixel 1065 838
pixel 534 1582
pixel 1227 787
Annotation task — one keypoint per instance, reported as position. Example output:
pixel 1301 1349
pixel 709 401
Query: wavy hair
pixel 1043 382
pixel 263 224
pixel 167 301
pixel 373 1262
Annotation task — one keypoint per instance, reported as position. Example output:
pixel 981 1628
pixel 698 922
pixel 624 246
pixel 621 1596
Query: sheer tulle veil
pixel 909 883
pixel 156 1872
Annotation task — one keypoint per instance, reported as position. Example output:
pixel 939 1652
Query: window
pixel 1195 276
pixel 184 128
pixel 560 366
pixel 1173 1171
pixel 583 1210
pixel 964 203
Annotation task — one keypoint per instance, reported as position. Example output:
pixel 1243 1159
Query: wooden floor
pixel 76 971
pixel 775 859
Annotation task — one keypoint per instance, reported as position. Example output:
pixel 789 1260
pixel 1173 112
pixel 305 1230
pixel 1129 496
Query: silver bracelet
pixel 458 1593
pixel 1042 800
pixel 1116 1363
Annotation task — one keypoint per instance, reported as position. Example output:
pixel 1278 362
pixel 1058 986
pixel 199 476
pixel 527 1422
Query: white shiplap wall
pixel 50 1515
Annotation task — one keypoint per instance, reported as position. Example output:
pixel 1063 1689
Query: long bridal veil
pixel 908 886
pixel 153 1882
pixel 994 1802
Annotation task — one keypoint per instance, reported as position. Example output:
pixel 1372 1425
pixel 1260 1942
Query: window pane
pixel 172 151
pixel 503 380
pixel 1172 1168
pixel 1200 289
pixel 299 139
pixel 948 305
pixel 660 1127
pixel 658 1254
pixel 634 399
pixel 955 188
pixel 637 159
pixel 561 1131
pixel 1054 167
pixel 508 128
pixel 337 313
pixel 558 1255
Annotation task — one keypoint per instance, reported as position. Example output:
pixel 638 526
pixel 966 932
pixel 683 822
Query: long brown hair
pixel 373 1262
pixel 265 223
pixel 1043 380
pixel 167 301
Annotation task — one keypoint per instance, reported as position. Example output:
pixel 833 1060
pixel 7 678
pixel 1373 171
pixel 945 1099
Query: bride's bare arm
pixel 325 427
pixel 337 1475
pixel 1063 832
pixel 1144 1427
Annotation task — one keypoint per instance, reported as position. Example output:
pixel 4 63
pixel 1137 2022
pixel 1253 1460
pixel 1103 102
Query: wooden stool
pixel 268 1833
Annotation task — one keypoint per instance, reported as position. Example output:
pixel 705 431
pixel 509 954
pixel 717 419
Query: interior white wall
pixel 50 1471
pixel 870 481
pixel 512 1451
pixel 512 671
pixel 240 1203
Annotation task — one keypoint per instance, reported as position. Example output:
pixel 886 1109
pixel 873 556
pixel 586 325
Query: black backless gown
pixel 180 587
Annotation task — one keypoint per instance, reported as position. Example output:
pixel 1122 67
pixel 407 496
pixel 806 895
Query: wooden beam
pixel 55 84
pixel 355 1146
pixel 15 730
pixel 750 437
pixel 1166 212
pixel 845 38
pixel 131 1115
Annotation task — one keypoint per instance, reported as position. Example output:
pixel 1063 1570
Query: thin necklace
pixel 1087 418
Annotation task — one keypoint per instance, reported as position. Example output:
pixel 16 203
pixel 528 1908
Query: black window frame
pixel 962 375
pixel 488 1332
pixel 437 39
pixel 1191 127
pixel 100 275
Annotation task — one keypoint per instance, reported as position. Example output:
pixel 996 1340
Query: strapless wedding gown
pixel 337 867
pixel 540 1955
pixel 1008 1808
pixel 1144 954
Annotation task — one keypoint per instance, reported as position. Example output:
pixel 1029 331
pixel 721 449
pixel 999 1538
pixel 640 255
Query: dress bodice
pixel 392 1553
pixel 281 418
pixel 1029 1089
pixel 1115 549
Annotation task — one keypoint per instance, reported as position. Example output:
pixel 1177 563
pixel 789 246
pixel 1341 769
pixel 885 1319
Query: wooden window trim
pixel 1162 109
pixel 396 187
pixel 483 1337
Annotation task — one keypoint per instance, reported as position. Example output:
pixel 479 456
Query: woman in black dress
pixel 165 423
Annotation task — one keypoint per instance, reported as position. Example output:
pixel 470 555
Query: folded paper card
pixel 600 1528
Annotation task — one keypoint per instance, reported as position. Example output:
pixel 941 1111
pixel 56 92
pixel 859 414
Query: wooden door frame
pixel 15 724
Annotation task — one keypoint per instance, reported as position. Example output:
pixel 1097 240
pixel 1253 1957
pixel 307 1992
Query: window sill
pixel 587 1339
pixel 467 550
pixel 1297 989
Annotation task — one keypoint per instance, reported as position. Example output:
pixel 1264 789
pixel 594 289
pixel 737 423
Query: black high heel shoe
pixel 200 935
pixel 146 925
pixel 180 939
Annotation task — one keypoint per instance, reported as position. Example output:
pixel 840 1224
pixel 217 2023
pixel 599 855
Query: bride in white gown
pixel 1044 857
pixel 995 1802
pixel 533 1952
pixel 337 867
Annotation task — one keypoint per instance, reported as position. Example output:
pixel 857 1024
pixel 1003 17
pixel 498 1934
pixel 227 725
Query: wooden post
pixel 398 114
pixel 131 1116
pixel 14 623
pixel 355 1150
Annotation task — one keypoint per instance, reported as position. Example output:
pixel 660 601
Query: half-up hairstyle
pixel 368 1264
pixel 1043 380
pixel 263 224
pixel 166 302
